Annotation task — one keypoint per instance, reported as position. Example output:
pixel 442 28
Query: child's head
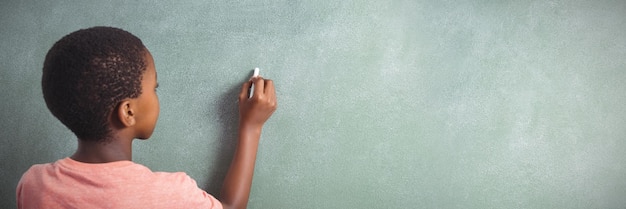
pixel 89 73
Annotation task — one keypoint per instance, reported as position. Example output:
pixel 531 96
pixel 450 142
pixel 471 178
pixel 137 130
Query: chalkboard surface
pixel 382 104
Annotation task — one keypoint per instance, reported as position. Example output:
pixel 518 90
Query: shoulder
pixel 29 187
pixel 36 168
pixel 35 171
pixel 180 190
pixel 178 182
pixel 174 178
pixel 38 175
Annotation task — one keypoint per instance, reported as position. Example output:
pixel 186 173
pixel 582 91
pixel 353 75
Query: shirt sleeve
pixel 192 196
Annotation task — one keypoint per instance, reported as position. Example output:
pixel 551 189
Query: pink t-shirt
pixel 71 184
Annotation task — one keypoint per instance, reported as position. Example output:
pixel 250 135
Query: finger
pixel 259 85
pixel 270 94
pixel 270 91
pixel 243 94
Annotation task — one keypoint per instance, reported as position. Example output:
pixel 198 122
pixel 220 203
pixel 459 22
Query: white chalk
pixel 256 72
pixel 254 75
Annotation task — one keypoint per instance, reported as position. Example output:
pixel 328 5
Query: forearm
pixel 253 112
pixel 236 189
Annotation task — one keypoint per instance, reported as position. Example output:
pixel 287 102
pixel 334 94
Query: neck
pixel 103 152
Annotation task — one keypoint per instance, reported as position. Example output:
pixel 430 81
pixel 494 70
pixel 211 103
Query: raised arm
pixel 253 112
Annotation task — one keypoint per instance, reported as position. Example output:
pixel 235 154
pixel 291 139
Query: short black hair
pixel 87 73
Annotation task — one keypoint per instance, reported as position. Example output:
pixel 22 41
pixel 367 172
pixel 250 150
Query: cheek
pixel 155 106
pixel 151 108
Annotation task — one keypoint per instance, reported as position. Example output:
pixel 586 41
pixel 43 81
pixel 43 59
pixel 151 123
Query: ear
pixel 126 113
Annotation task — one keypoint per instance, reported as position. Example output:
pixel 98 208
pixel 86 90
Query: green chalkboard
pixel 382 104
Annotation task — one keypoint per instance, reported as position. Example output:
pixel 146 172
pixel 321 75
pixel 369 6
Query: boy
pixel 101 83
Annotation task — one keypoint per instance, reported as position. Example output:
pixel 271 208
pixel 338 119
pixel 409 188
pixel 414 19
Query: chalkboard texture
pixel 382 104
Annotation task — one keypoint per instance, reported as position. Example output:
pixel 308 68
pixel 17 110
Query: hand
pixel 254 111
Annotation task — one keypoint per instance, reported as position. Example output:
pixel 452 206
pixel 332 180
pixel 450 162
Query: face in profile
pixel 147 111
